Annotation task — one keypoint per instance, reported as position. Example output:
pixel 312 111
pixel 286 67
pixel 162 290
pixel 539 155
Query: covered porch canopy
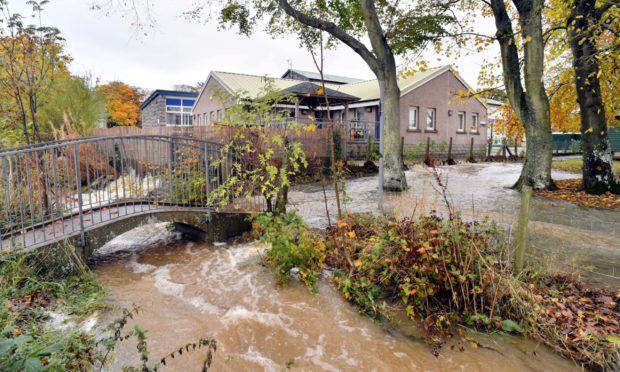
pixel 313 95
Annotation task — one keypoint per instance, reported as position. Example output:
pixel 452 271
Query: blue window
pixel 179 111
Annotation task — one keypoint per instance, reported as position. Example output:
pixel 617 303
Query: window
pixel 474 122
pixel 461 121
pixel 179 111
pixel 219 115
pixel 430 119
pixel 212 117
pixel 413 118
pixel 359 114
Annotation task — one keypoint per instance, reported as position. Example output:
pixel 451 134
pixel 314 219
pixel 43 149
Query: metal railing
pixel 54 190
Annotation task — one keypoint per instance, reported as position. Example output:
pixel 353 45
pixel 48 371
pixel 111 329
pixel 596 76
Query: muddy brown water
pixel 187 291
pixel 191 290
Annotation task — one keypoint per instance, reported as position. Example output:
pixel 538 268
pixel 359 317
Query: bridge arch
pixel 88 190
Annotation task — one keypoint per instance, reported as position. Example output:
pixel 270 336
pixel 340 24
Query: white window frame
pixel 185 112
pixel 413 120
pixel 212 117
pixel 462 115
pixel 432 124
pixel 474 121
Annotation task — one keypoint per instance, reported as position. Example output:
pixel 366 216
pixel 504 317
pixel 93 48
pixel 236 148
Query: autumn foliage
pixel 123 103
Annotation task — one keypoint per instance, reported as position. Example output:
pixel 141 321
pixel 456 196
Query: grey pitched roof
pixel 310 89
pixel 311 75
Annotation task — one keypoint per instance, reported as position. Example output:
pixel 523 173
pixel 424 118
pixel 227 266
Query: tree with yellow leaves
pixel 585 54
pixel 123 103
pixel 31 56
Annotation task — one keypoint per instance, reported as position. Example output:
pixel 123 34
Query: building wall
pixel 213 98
pixel 438 93
pixel 154 114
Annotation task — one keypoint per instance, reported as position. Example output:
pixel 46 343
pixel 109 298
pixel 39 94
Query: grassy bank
pixel 34 290
pixel 46 300
pixel 575 165
pixel 448 272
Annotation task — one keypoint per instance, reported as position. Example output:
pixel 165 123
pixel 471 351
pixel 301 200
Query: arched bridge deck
pixel 85 189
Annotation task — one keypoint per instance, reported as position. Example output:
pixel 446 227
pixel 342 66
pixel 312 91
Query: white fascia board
pixel 352 105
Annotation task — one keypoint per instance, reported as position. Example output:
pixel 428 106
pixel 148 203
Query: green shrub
pixel 293 245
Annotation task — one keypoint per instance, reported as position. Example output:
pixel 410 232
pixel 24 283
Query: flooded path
pixel 187 291
pixel 562 232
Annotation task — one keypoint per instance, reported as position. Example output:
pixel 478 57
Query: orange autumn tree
pixel 508 125
pixel 123 103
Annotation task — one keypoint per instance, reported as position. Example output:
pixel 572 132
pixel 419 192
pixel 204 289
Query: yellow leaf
pixel 600 72
pixel 357 263
pixel 311 128
pixel 589 130
pixel 311 117
pixel 351 234
pixel 320 91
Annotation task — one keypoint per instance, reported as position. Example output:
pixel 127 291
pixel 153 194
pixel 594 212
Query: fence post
pixel 516 148
pixel 78 187
pixel 471 151
pixel 490 149
pixel 170 162
pixel 521 238
pixel 402 149
pixel 369 149
pixel 207 180
pixel 427 156
pixel 450 161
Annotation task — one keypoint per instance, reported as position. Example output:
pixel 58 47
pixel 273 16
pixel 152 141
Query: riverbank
pixel 226 292
pixel 446 273
pixel 50 307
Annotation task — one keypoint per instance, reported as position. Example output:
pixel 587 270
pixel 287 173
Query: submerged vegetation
pixel 448 272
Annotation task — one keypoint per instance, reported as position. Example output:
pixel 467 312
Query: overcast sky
pixel 179 51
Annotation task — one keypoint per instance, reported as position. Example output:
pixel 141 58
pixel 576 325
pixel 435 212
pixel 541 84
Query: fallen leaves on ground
pixel 571 190
pixel 581 314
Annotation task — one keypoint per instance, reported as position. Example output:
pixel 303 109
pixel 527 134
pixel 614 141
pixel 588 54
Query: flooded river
pixel 187 291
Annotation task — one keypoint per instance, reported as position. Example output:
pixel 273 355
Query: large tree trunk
pixel 530 103
pixel 598 169
pixel 394 175
pixel 536 171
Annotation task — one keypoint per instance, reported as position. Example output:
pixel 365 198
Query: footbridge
pixel 87 191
